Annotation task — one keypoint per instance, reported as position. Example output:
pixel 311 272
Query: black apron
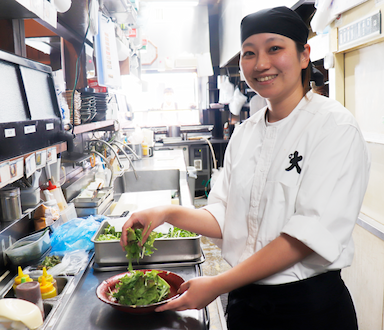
pixel 321 302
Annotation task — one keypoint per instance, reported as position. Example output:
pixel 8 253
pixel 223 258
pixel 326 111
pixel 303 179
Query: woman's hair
pixel 305 73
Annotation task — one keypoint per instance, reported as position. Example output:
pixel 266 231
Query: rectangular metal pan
pixel 180 249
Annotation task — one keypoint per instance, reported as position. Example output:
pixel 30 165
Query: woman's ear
pixel 305 56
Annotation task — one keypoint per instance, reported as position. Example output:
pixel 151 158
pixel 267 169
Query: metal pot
pixel 10 205
pixel 173 131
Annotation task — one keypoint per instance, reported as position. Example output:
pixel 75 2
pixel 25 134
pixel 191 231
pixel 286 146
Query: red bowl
pixel 103 290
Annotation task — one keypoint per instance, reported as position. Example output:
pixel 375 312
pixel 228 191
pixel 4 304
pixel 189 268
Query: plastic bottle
pixel 30 291
pixel 58 195
pixel 21 276
pixel 100 176
pixel 47 289
pixel 48 278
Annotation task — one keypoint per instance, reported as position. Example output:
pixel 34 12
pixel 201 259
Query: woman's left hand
pixel 195 294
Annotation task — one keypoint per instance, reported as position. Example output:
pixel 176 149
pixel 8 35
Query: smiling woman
pixel 285 205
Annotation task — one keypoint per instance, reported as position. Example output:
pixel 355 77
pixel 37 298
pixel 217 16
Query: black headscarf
pixel 279 20
pixel 283 21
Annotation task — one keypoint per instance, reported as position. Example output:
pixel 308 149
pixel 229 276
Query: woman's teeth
pixel 266 78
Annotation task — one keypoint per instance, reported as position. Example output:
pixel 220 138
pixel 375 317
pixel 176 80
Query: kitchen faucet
pixel 106 162
pixel 126 155
pixel 113 150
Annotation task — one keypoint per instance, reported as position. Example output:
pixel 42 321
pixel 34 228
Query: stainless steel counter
pixel 86 311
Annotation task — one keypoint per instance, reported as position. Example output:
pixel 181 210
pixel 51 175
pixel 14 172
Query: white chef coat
pixel 305 175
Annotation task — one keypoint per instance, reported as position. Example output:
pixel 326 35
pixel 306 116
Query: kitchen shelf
pixel 60 147
pixel 107 125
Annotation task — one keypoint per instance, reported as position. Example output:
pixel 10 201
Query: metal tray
pixel 102 195
pixel 169 250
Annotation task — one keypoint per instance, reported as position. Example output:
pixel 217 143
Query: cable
pixel 210 147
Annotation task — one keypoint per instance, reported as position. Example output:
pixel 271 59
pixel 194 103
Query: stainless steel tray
pixel 95 210
pixel 169 250
pixel 111 268
pixel 102 195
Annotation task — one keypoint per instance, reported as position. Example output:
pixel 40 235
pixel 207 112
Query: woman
pixel 285 206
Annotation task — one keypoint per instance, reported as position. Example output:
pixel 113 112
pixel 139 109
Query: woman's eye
pixel 275 48
pixel 248 53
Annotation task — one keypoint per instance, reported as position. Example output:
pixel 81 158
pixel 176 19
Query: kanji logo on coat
pixel 294 159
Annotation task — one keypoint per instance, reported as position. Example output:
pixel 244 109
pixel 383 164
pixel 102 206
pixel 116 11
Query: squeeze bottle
pixel 47 289
pixel 21 276
pixel 48 278
pixel 30 291
pixel 58 195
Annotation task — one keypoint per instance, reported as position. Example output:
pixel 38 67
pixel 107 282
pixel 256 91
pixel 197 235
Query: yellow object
pixel 20 310
pixel 47 289
pixel 48 278
pixel 21 276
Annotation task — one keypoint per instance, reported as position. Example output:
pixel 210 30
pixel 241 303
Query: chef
pixel 284 208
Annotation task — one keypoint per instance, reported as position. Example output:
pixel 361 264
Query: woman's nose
pixel 262 62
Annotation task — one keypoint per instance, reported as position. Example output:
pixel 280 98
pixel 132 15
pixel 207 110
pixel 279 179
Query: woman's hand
pixel 195 294
pixel 148 219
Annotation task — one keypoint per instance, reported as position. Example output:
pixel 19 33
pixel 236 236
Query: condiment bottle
pixel 57 195
pixel 30 291
pixel 21 276
pixel 47 289
pixel 48 278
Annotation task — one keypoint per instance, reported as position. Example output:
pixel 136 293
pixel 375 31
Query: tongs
pixel 96 191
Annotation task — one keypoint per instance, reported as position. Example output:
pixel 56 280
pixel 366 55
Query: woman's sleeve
pixel 331 194
pixel 217 199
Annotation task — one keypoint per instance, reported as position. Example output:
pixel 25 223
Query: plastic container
pixel 30 291
pixel 30 197
pixel 29 248
pixel 57 195
pixel 69 213
pixel 10 204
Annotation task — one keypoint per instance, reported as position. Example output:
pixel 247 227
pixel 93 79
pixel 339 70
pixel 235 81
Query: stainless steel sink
pixel 161 172
pixel 147 180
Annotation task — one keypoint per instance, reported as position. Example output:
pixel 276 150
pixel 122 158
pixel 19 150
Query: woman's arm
pixel 197 221
pixel 280 254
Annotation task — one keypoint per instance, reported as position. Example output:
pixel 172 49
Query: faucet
pixel 106 162
pixel 129 148
pixel 126 155
pixel 113 150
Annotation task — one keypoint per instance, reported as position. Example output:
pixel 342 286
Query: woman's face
pixel 272 65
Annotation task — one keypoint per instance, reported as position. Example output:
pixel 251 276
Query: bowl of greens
pixel 139 291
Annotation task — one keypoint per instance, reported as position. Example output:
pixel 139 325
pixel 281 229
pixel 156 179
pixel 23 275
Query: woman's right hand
pixel 148 219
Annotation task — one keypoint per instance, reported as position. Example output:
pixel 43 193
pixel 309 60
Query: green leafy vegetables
pixel 175 232
pixel 134 251
pixel 110 234
pixel 139 288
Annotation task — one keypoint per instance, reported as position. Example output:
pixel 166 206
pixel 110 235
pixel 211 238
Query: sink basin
pixel 163 171
pixel 147 180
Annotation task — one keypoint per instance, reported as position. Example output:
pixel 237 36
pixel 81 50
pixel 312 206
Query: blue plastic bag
pixel 74 235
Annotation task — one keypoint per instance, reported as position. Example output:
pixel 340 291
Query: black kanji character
pixel 294 160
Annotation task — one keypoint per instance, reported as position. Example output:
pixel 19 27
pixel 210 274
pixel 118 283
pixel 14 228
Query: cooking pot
pixel 173 131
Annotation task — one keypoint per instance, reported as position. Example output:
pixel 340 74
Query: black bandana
pixel 279 20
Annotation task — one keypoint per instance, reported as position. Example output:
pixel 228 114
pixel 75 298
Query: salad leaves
pixel 133 250
pixel 110 234
pixel 139 288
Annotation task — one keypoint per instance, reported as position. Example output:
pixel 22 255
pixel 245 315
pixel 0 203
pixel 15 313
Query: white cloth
pixel 261 194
